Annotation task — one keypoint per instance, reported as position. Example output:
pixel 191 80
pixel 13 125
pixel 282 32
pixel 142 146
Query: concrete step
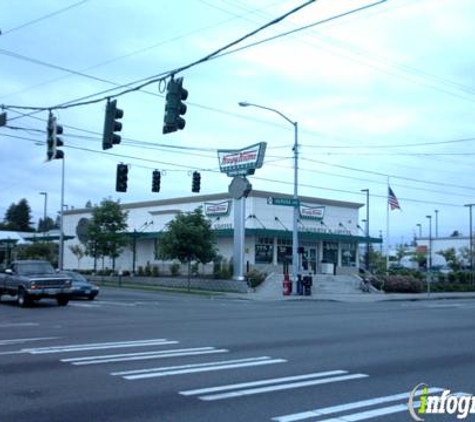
pixel 322 284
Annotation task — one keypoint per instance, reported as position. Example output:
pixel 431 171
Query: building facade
pixel 329 233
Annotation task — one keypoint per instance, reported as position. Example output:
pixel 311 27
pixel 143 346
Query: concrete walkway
pixel 343 289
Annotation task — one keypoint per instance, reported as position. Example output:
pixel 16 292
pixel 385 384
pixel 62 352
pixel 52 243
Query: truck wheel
pixel 62 300
pixel 23 299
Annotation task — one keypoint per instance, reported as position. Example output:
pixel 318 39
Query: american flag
pixel 392 200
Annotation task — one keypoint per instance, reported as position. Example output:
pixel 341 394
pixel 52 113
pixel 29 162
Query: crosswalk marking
pixel 261 382
pixel 351 406
pixel 92 360
pixel 99 346
pixel 195 368
pixel 25 340
pixel 278 387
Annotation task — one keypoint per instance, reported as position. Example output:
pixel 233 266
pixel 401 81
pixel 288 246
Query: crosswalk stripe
pixel 349 406
pixel 281 387
pixel 192 365
pixel 261 382
pixel 369 414
pixel 93 360
pixel 217 366
pixel 99 346
pixel 25 340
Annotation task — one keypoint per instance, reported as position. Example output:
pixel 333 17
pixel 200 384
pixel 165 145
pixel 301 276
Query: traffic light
pixel 196 185
pixel 174 106
pixel 53 141
pixel 121 178
pixel 156 178
pixel 111 125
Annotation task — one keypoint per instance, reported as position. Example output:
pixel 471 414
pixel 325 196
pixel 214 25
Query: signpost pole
pixel 239 237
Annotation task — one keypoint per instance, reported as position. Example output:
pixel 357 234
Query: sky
pixel 383 95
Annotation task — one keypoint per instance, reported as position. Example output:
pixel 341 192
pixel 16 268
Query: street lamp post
pixel 471 241
pixel 45 194
pixel 420 229
pixel 367 228
pixel 436 223
pixel 295 234
pixel 429 263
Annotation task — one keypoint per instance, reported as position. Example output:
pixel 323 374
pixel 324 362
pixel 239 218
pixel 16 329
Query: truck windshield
pixel 35 268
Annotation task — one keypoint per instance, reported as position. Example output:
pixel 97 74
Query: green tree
pixel 18 217
pixel 46 224
pixel 105 231
pixel 189 238
pixel 78 251
pixel 453 260
pixel 39 250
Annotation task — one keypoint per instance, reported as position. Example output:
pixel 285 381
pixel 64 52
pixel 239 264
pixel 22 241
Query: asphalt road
pixel 139 356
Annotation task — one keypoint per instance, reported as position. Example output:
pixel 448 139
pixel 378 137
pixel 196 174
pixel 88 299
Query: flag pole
pixel 387 230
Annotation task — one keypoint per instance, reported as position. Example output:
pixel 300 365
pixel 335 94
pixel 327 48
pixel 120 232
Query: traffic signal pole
pixel 61 222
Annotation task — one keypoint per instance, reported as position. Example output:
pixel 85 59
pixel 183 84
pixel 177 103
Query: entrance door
pixel 309 259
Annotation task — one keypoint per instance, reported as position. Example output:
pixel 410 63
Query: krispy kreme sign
pixel 242 162
pixel 216 209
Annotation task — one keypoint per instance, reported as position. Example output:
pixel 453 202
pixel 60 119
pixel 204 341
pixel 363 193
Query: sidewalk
pixel 356 297
pixel 345 290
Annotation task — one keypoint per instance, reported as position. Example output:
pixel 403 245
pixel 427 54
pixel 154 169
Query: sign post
pixel 239 164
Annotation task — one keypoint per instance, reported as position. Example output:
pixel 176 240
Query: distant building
pixel 329 234
pixel 442 244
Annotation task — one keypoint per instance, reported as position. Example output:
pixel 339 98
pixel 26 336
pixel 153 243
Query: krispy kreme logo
pixel 242 160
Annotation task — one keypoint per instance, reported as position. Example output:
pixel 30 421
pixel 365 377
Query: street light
pixel 295 233
pixel 471 241
pixel 429 255
pixel 420 229
pixel 367 228
pixel 436 223
pixel 44 214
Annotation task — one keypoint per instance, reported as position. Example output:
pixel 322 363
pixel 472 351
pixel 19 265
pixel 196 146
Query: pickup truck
pixel 32 280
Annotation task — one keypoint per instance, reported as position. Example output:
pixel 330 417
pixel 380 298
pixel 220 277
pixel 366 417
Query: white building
pixel 328 231
pixel 438 244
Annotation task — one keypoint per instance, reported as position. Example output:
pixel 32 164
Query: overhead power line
pixel 49 15
pixel 216 54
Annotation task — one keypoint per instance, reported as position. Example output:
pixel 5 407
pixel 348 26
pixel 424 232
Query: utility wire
pixel 162 76
pixel 49 15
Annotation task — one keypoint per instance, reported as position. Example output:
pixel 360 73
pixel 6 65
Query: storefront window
pixel 284 251
pixel 264 251
pixel 330 252
pixel 348 254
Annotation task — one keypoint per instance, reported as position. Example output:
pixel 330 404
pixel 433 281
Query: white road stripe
pixel 193 365
pixel 157 355
pixel 19 324
pixel 205 369
pixel 262 382
pixel 85 305
pixel 369 414
pixel 25 340
pixel 98 346
pixel 123 355
pixel 349 406
pixel 281 387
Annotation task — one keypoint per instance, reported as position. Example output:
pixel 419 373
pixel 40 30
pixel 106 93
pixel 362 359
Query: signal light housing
pixel 174 106
pixel 111 125
pixel 121 177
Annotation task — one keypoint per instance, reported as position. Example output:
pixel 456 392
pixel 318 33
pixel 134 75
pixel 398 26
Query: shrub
pixel 402 284
pixel 255 278
pixel 195 269
pixel 175 269
pixel 155 271
pixel 140 271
